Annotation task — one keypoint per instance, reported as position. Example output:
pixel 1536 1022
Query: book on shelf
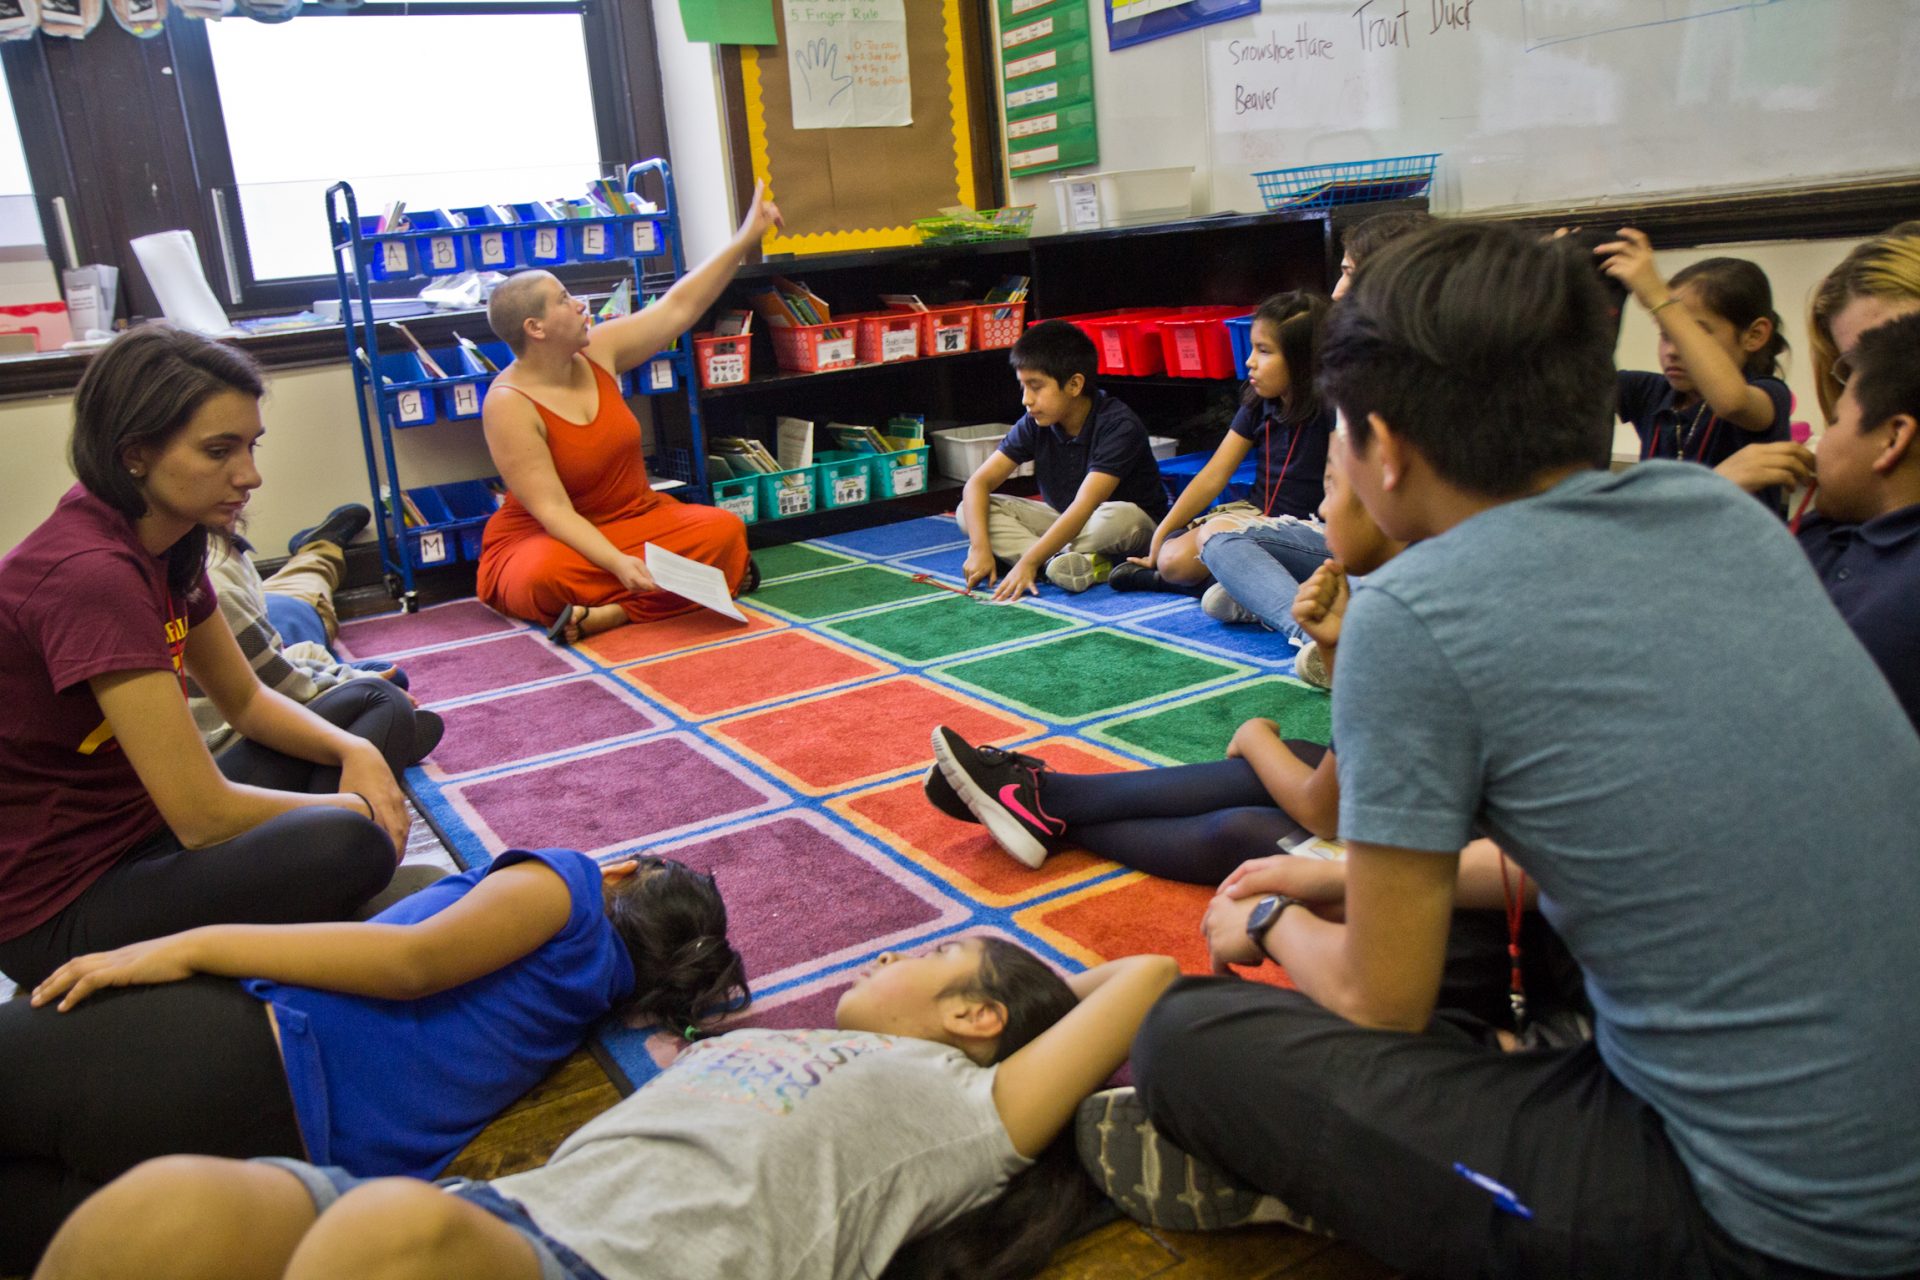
pixel 905 430
pixel 392 218
pixel 480 357
pixel 427 361
pixel 411 517
pixel 504 214
pixel 903 301
pixel 613 196
pixel 1012 289
pixel 455 218
pixel 784 304
pixel 498 488
pixel 858 439
pixel 746 456
pixel 793 437
pixel 729 324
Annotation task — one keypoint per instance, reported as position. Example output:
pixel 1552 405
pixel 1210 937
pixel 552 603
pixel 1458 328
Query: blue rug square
pixel 901 539
pixel 1188 626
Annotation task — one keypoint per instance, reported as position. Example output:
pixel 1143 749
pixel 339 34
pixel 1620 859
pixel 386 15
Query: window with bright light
pixel 374 106
pixel 19 216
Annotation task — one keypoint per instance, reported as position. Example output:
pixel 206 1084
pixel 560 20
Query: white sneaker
pixel 1219 604
pixel 1075 571
pixel 1310 665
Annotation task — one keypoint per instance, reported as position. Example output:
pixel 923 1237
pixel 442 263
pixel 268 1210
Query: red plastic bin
pixel 813 348
pixel 997 324
pixel 944 331
pixel 1128 341
pixel 882 337
pixel 723 361
pixel 1196 343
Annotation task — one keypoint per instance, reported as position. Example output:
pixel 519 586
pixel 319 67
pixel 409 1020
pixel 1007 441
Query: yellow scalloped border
pixel 869 237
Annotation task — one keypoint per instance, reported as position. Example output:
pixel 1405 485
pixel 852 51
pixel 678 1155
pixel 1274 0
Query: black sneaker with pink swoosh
pixel 1002 790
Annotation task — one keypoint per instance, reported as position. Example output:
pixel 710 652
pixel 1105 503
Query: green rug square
pixel 1200 728
pixel 946 627
pixel 795 558
pixel 1088 673
pixel 839 592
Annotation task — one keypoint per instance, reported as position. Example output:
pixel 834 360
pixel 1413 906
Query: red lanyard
pixel 1266 463
pixel 1679 441
pixel 1516 909
pixel 1793 525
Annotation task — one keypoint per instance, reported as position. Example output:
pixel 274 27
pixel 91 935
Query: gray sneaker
pixel 1218 603
pixel 1310 665
pixel 1156 1183
pixel 1075 571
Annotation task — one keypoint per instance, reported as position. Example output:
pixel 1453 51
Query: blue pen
pixel 1503 1198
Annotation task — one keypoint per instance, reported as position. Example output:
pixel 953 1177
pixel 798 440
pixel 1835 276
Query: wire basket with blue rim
pixel 1318 186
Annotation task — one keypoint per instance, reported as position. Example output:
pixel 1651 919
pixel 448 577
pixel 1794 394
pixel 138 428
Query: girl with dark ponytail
pixel 929 1117
pixel 384 1046
pixel 1719 387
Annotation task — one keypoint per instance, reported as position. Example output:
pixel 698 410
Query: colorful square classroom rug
pixel 785 755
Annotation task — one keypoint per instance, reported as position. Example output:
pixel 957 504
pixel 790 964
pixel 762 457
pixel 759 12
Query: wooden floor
pixel 527 1133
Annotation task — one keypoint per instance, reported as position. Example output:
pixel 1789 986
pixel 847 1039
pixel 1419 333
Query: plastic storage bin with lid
pixel 1123 197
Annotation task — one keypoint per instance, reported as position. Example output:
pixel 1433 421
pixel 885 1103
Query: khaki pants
pixel 312 574
pixel 1114 529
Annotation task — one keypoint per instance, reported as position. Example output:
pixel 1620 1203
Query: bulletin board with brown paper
pixel 861 188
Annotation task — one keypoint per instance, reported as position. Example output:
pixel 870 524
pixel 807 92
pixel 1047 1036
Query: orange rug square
pixel 670 635
pixel 860 735
pixel 733 677
pixel 1132 915
pixel 962 853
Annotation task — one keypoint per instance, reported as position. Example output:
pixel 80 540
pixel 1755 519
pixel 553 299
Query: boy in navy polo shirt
pixel 1865 541
pixel 1100 485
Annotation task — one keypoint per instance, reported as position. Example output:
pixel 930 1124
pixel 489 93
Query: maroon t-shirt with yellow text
pixel 79 598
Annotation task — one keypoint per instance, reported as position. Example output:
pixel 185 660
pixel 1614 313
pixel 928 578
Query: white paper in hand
pixel 701 583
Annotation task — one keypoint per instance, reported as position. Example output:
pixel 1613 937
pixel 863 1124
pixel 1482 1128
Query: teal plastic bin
pixel 740 495
pixel 844 478
pixel 788 493
pixel 899 473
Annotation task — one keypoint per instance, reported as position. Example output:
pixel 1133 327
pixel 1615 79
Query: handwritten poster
pixel 848 63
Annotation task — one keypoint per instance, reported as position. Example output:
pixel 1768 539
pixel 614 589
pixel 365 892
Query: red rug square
pixel 859 735
pixel 605 799
pixel 962 853
pixel 670 635
pixel 750 673
pixel 536 722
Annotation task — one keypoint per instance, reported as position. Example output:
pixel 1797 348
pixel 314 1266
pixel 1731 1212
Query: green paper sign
pixel 728 21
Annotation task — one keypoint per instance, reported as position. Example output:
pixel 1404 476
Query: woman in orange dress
pixel 567 547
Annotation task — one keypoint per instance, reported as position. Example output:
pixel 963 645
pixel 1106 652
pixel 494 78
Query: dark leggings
pixel 188 1067
pixel 1191 822
pixel 305 864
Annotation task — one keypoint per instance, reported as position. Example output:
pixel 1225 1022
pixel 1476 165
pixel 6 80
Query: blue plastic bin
pixel 543 242
pixel 656 377
pixel 388 259
pixel 470 504
pixel 1177 472
pixel 444 254
pixel 461 400
pixel 492 245
pixel 594 240
pixel 643 236
pixel 1240 334
pixel 407 388
pixel 1320 186
pixel 434 544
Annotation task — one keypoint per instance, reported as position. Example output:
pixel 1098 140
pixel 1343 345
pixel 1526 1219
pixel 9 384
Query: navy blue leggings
pixel 1190 822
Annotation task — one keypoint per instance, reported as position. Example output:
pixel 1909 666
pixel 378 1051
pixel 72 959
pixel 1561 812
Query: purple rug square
pixel 536 722
pixel 779 873
pixel 467 669
pixel 617 796
pixel 400 632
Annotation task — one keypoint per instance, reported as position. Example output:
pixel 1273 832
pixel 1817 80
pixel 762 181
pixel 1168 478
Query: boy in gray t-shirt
pixel 1636 686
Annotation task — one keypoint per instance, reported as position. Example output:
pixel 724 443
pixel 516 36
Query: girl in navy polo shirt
pixel 382 1046
pixel 1718 389
pixel 1281 418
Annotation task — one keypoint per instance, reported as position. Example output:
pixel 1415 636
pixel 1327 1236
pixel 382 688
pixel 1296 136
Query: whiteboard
pixel 1532 103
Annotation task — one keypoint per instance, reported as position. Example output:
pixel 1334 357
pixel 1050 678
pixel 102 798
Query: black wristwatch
pixel 1266 914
